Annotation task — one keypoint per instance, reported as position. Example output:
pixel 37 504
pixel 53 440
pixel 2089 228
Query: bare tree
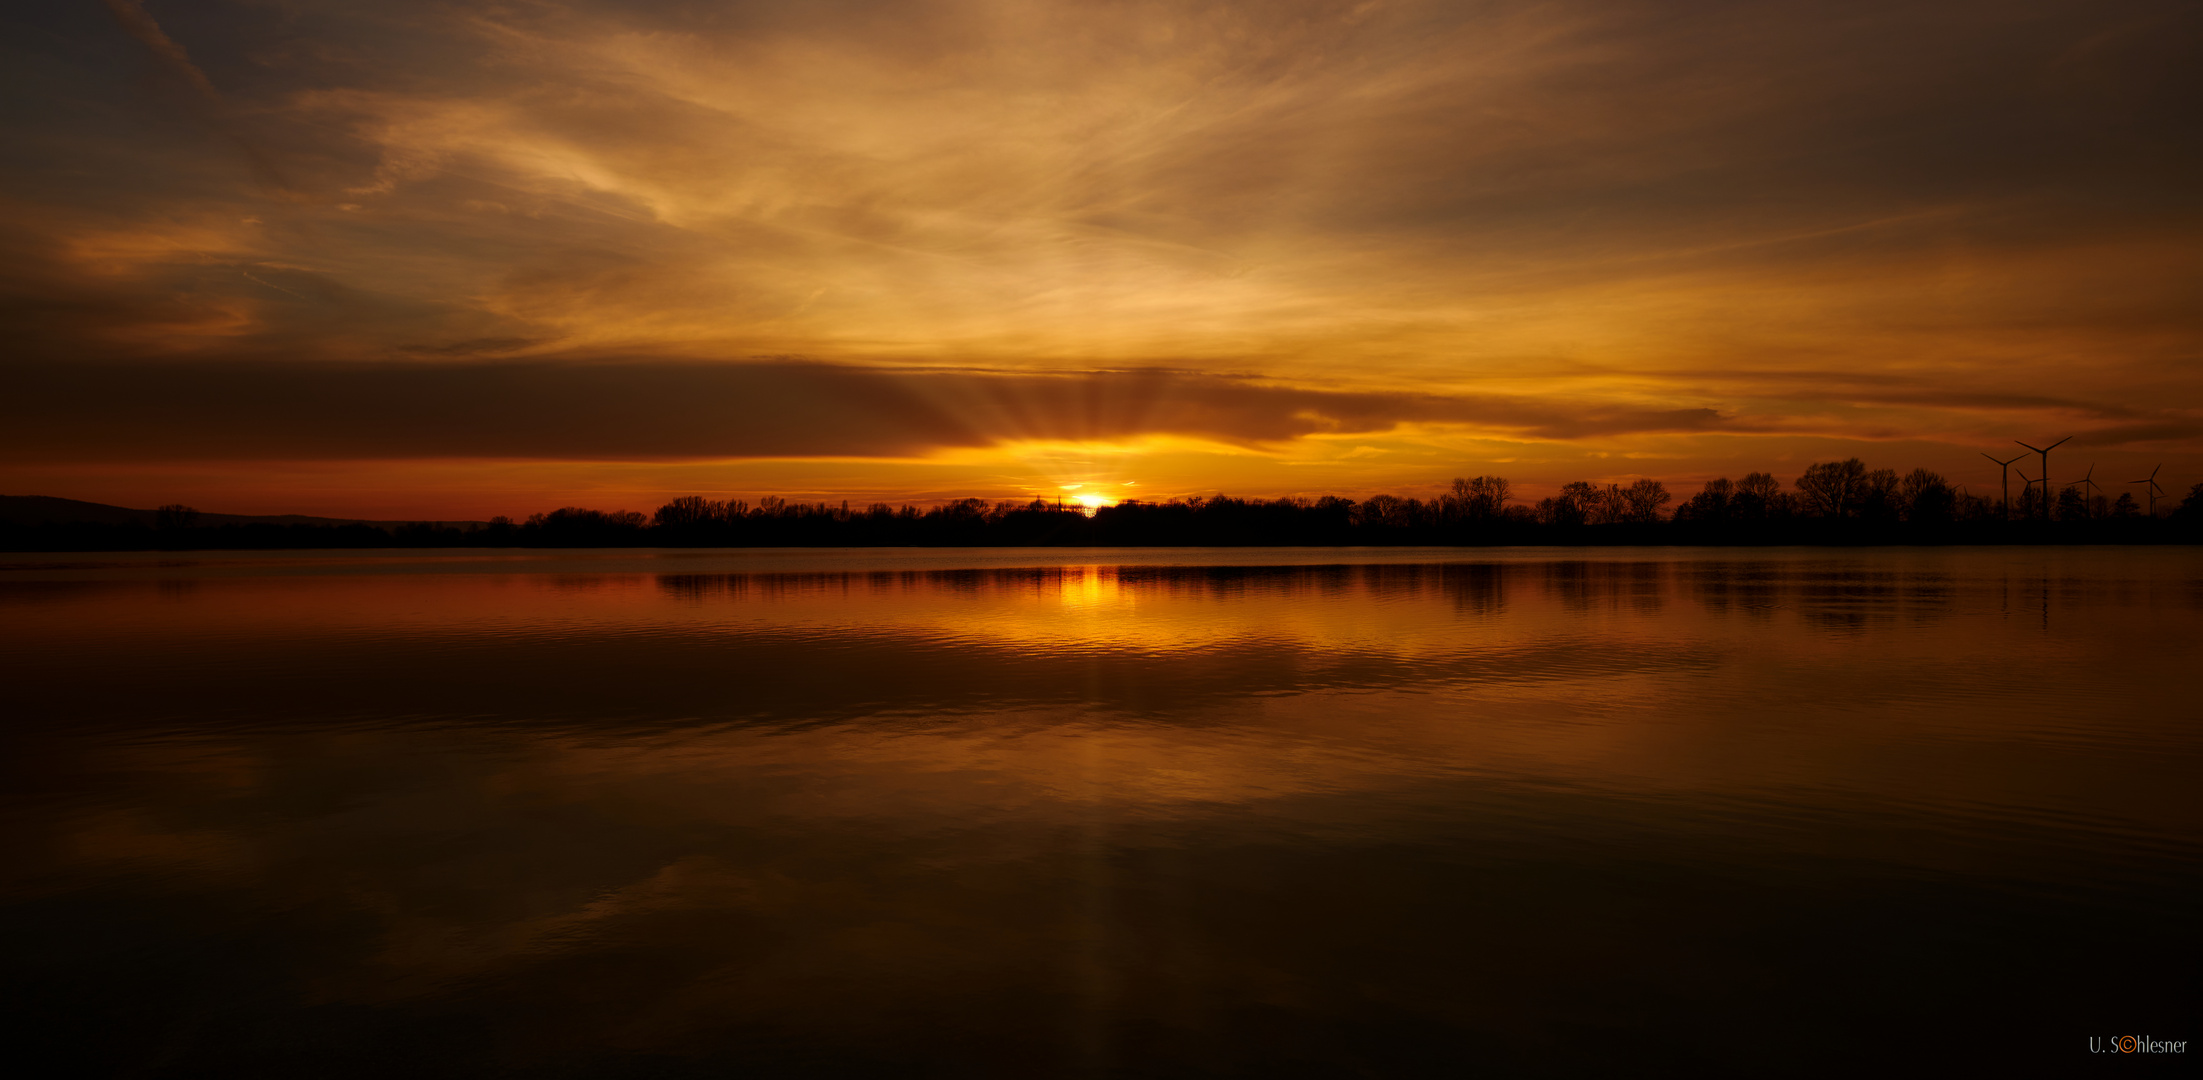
pixel 1833 488
pixel 1641 501
pixel 1878 495
pixel 1482 499
pixel 1710 505
pixel 689 512
pixel 1570 508
pixel 1925 497
pixel 1385 511
pixel 1758 497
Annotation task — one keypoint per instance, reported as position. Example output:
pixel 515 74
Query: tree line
pixel 1840 502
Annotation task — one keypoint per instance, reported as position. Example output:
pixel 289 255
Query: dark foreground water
pixel 1261 813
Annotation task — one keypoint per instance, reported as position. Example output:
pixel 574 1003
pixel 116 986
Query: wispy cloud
pixel 1594 221
pixel 132 15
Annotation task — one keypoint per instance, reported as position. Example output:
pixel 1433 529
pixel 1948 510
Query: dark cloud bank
pixel 656 409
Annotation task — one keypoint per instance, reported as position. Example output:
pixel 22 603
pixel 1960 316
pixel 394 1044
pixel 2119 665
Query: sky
pixel 445 260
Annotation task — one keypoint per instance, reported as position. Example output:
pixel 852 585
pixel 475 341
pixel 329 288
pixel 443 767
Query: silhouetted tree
pixel 1835 502
pixel 1926 499
pixel 1643 500
pixel 2190 509
pixel 573 526
pixel 1482 500
pixel 689 512
pixel 1385 512
pixel 1710 506
pixel 1758 498
pixel 2030 502
pixel 2071 506
pixel 1833 489
pixel 1879 499
pixel 1573 507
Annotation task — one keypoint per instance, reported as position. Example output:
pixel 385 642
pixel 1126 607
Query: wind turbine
pixel 2154 490
pixel 2045 452
pixel 2029 485
pixel 2006 466
pixel 2087 481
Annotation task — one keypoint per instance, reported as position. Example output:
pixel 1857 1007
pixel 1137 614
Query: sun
pixel 1094 502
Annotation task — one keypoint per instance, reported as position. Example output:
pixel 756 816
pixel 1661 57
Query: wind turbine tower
pixel 2045 452
pixel 2154 490
pixel 2006 468
pixel 2087 481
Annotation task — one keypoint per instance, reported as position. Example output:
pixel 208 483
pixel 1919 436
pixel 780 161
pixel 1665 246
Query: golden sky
pixel 435 260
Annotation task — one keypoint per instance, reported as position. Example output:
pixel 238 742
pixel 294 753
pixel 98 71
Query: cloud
pixel 131 14
pixel 1592 220
pixel 472 346
pixel 661 410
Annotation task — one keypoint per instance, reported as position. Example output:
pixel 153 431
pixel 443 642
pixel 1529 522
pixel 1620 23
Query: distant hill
pixel 47 510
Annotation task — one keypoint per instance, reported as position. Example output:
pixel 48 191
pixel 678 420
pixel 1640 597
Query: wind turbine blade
pixel 2036 449
pixel 2059 443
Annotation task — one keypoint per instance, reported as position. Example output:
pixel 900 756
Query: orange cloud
pixel 1602 225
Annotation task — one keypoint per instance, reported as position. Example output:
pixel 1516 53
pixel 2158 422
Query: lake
pixel 1219 812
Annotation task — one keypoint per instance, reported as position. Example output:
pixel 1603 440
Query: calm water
pixel 1047 813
